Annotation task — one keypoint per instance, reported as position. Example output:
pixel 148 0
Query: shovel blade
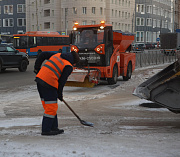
pixel 87 123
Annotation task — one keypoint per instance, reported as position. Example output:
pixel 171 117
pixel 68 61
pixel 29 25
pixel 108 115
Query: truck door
pixel 108 45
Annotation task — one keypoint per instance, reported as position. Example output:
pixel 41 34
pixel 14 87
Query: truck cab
pixel 91 43
pixel 104 50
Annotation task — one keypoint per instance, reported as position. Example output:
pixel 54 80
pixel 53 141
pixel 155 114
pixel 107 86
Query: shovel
pixel 81 121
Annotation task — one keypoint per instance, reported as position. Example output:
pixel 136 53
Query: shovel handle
pixel 72 110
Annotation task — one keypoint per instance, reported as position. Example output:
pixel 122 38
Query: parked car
pixel 12 58
pixel 139 47
pixel 149 46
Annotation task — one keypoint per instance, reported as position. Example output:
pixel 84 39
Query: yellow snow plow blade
pixel 85 83
pixel 163 88
pixel 83 78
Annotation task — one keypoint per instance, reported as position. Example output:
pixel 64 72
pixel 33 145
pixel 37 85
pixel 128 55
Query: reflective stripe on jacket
pixel 52 70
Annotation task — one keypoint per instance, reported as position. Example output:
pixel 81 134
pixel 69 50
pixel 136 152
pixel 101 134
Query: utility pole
pixel 66 12
pixel 37 16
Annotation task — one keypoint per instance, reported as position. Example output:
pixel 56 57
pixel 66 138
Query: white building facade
pixel 60 15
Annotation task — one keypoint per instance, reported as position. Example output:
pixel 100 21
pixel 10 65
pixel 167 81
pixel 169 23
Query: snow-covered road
pixel 122 128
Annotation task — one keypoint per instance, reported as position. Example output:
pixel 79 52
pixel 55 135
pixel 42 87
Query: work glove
pixel 60 97
pixel 37 70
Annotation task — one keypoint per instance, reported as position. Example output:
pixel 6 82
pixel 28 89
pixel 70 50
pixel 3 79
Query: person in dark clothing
pixel 51 78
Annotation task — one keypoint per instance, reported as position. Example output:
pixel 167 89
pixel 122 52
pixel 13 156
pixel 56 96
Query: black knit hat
pixel 76 57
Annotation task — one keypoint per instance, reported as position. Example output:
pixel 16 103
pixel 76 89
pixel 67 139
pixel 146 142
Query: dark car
pixel 12 58
pixel 139 47
pixel 149 46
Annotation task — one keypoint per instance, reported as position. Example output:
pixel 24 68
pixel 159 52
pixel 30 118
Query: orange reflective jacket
pixel 52 70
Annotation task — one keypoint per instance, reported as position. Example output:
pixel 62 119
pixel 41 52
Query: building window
pixel 47 25
pixel 149 9
pixel 8 22
pixel 101 10
pixel 46 1
pixel 158 23
pixel 84 10
pixel 154 10
pixel 129 4
pixel 46 13
pixel 149 22
pixel 84 22
pixel 166 24
pixel 129 27
pixel 53 13
pixel 93 22
pixel 122 26
pixel 8 9
pixel 140 8
pixel 32 16
pixel 0 23
pixel 154 23
pixel 140 36
pixel 148 36
pixel 52 25
pixel 21 8
pixel 154 36
pixel 0 9
pixel 40 27
pixel 93 10
pixel 122 2
pixel 122 14
pixel 139 21
pixel 21 22
pixel 74 10
pixel 126 15
pixel 126 3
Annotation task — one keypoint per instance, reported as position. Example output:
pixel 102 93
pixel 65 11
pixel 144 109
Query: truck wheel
pixel 129 72
pixel 23 66
pixel 113 80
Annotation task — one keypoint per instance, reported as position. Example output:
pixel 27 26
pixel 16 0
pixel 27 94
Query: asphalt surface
pixel 124 125
pixel 13 78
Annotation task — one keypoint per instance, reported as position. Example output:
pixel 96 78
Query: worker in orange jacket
pixel 51 79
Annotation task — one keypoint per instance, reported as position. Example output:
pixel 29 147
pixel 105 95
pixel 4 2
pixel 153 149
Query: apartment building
pixel 60 15
pixel 176 14
pixel 12 17
pixel 152 17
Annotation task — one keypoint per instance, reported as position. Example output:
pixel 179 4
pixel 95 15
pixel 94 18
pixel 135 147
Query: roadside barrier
pixel 153 57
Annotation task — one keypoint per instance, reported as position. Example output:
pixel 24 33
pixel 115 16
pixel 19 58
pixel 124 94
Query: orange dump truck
pixel 104 54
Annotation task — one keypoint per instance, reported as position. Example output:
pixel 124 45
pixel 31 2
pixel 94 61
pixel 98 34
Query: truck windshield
pixel 88 38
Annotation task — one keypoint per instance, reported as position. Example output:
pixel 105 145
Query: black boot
pixel 59 131
pixel 55 126
pixel 47 124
